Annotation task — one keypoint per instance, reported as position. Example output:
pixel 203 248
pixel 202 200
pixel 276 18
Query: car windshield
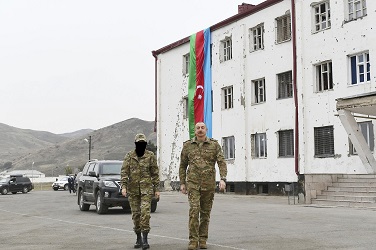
pixel 112 168
pixel 4 180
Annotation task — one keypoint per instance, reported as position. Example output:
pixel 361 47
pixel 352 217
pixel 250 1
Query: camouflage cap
pixel 140 137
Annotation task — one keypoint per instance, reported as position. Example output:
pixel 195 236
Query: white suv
pixel 61 184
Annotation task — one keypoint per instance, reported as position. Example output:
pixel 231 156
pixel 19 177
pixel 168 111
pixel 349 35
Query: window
pixel 285 85
pixel 324 141
pixel 356 9
pixel 360 68
pixel 286 143
pixel 256 37
pixel 186 64
pixel 283 28
pixel 259 91
pixel 185 107
pixel 227 98
pixel 259 145
pixel 324 77
pixel 367 130
pixel 229 147
pixel 322 16
pixel 226 46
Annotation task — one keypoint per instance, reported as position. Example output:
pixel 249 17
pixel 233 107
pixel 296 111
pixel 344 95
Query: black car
pixel 99 185
pixel 14 184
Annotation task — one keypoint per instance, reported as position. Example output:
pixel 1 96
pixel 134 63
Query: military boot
pixel 138 243
pixel 145 244
pixel 192 245
pixel 203 244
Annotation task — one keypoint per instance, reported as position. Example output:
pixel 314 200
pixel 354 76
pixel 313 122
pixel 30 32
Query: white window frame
pixel 356 9
pixel 324 76
pixel 286 143
pixel 321 16
pixel 256 38
pixel 283 28
pixel 228 147
pixel 227 97
pixel 360 68
pixel 186 58
pixel 259 145
pixel 324 141
pixel 226 49
pixel 259 91
pixel 284 87
pixel 366 128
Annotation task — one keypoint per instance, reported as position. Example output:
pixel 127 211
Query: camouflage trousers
pixel 200 203
pixel 140 206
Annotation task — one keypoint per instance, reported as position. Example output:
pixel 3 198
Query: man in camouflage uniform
pixel 140 180
pixel 201 154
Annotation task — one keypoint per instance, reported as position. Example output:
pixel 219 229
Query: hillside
pixel 16 142
pixel 111 142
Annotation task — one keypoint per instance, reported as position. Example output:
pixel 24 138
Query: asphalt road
pixel 52 220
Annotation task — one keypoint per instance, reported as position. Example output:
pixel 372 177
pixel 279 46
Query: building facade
pixel 278 70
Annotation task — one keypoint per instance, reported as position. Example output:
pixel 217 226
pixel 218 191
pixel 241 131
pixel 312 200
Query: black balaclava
pixel 140 148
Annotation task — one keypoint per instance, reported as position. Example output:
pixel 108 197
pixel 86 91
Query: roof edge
pixel 219 25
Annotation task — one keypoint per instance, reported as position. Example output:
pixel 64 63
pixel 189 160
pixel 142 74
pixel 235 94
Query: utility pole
pixel 89 147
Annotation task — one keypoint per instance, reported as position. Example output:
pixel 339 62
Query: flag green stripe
pixel 192 85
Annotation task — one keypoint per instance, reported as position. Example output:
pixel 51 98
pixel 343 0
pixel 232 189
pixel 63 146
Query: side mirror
pixel 92 174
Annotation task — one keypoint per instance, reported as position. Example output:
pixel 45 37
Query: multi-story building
pixel 284 74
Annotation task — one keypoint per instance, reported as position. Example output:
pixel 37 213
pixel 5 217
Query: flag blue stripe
pixel 207 83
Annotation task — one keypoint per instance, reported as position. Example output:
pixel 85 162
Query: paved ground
pixel 52 220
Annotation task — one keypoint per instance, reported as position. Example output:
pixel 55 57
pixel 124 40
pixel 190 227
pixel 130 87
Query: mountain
pixel 78 133
pixel 16 142
pixel 111 142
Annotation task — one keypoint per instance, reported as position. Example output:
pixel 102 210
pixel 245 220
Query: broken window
pixel 229 147
pixel 324 77
pixel 285 85
pixel 321 16
pixel 367 130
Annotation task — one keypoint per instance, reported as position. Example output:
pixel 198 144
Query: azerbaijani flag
pixel 200 82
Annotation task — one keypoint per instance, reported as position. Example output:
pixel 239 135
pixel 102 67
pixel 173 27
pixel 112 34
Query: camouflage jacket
pixel 140 174
pixel 201 158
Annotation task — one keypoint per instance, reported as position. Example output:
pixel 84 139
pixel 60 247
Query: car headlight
pixel 109 184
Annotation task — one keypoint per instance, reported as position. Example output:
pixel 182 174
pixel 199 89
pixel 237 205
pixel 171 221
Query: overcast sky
pixel 76 64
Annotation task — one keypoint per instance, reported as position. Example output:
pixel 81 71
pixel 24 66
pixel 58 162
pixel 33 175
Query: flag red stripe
pixel 199 95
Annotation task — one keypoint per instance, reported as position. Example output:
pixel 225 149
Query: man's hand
pixel 157 195
pixel 124 192
pixel 183 189
pixel 222 186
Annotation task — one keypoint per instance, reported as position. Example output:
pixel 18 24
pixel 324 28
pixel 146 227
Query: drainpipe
pixel 296 142
pixel 155 90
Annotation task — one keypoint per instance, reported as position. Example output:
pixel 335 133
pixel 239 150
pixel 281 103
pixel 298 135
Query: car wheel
pixel 4 191
pixel 153 207
pixel 82 205
pixel 14 192
pixel 101 208
pixel 25 190
pixel 56 188
pixel 66 187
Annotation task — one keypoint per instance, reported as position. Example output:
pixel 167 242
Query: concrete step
pixel 344 203
pixel 358 176
pixel 347 197
pixel 352 189
pixel 357 180
pixel 353 193
pixel 354 184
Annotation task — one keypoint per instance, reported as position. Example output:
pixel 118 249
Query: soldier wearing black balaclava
pixel 140 180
